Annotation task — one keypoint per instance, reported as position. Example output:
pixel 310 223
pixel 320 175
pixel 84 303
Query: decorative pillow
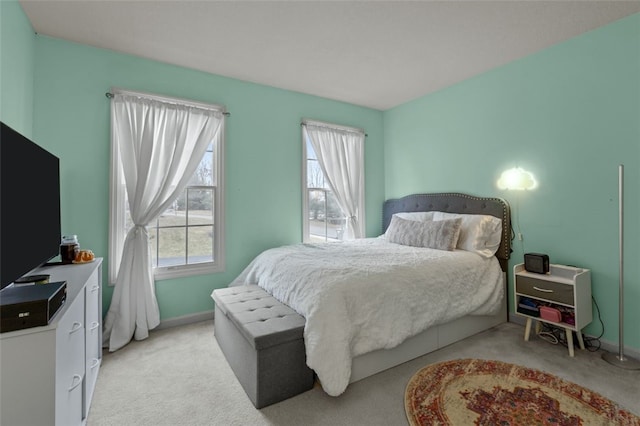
pixel 415 216
pixel 479 233
pixel 418 216
pixel 441 235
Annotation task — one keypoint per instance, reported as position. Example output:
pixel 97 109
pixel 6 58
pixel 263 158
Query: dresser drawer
pixel 548 290
pixel 92 290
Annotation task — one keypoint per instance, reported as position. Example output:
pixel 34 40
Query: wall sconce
pixel 517 179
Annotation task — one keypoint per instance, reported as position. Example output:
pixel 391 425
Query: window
pixel 327 215
pixel 188 237
pixel 184 233
pixel 182 238
pixel 325 218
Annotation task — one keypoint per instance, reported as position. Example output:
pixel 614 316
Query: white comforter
pixel 369 294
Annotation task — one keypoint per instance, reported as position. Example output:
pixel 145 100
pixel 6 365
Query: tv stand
pixel 49 372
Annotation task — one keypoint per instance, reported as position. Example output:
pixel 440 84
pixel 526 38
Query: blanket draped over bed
pixel 369 294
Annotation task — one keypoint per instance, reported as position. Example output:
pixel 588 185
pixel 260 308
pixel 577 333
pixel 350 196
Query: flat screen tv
pixel 29 205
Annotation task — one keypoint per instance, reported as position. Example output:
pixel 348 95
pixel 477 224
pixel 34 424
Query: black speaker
pixel 536 262
pixel 30 305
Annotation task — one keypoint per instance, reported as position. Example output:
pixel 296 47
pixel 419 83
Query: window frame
pixel 306 237
pixel 117 206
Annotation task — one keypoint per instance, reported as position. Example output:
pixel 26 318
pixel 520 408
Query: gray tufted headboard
pixel 456 203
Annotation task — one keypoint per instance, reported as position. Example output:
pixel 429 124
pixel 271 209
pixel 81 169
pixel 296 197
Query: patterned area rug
pixel 479 392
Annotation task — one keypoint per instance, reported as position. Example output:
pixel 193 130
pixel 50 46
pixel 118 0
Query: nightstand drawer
pixel 542 289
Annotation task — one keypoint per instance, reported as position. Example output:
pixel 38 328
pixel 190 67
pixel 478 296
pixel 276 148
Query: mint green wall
pixel 263 153
pixel 569 114
pixel 17 44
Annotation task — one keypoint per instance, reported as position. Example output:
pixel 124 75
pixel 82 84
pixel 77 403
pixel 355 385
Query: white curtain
pixel 340 154
pixel 160 146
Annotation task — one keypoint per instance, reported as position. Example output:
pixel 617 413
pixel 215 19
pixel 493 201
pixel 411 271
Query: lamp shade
pixel 517 179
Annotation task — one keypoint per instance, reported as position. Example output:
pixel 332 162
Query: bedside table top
pixel 557 273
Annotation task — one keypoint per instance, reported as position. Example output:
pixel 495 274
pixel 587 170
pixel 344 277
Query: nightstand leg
pixel 580 341
pixel 527 330
pixel 538 327
pixel 569 335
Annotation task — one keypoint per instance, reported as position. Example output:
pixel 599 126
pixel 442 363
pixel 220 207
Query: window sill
pixel 186 271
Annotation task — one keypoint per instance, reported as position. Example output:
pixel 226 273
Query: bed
pixel 365 303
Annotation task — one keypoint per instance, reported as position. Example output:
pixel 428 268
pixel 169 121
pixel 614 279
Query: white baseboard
pixel 604 344
pixel 186 319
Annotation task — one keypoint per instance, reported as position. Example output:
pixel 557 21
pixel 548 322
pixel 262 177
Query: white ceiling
pixel 377 54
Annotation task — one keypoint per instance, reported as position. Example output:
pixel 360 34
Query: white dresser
pixel 48 373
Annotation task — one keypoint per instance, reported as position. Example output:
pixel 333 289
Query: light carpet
pixel 178 376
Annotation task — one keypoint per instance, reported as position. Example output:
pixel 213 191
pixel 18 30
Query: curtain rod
pixel 333 126
pixel 110 96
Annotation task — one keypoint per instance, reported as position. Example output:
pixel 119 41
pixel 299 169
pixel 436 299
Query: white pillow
pixel 479 233
pixel 441 235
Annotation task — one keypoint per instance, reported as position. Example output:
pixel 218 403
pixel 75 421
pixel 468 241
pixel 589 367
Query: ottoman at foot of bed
pixel 262 340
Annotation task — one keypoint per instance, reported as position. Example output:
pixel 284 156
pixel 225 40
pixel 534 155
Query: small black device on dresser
pixel 536 262
pixel 30 306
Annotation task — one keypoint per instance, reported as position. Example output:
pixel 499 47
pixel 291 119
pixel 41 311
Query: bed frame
pixel 444 334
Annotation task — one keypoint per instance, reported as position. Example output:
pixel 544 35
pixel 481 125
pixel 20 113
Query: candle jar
pixel 69 248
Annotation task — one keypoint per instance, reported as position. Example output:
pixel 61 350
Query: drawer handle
pixel 95 363
pixel 75 382
pixel 94 325
pixel 544 290
pixel 75 327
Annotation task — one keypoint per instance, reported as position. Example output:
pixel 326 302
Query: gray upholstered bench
pixel 262 340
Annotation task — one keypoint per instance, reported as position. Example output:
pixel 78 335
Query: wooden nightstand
pixel 565 288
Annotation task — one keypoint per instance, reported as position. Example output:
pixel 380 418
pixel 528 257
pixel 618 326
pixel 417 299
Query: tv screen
pixel 29 205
